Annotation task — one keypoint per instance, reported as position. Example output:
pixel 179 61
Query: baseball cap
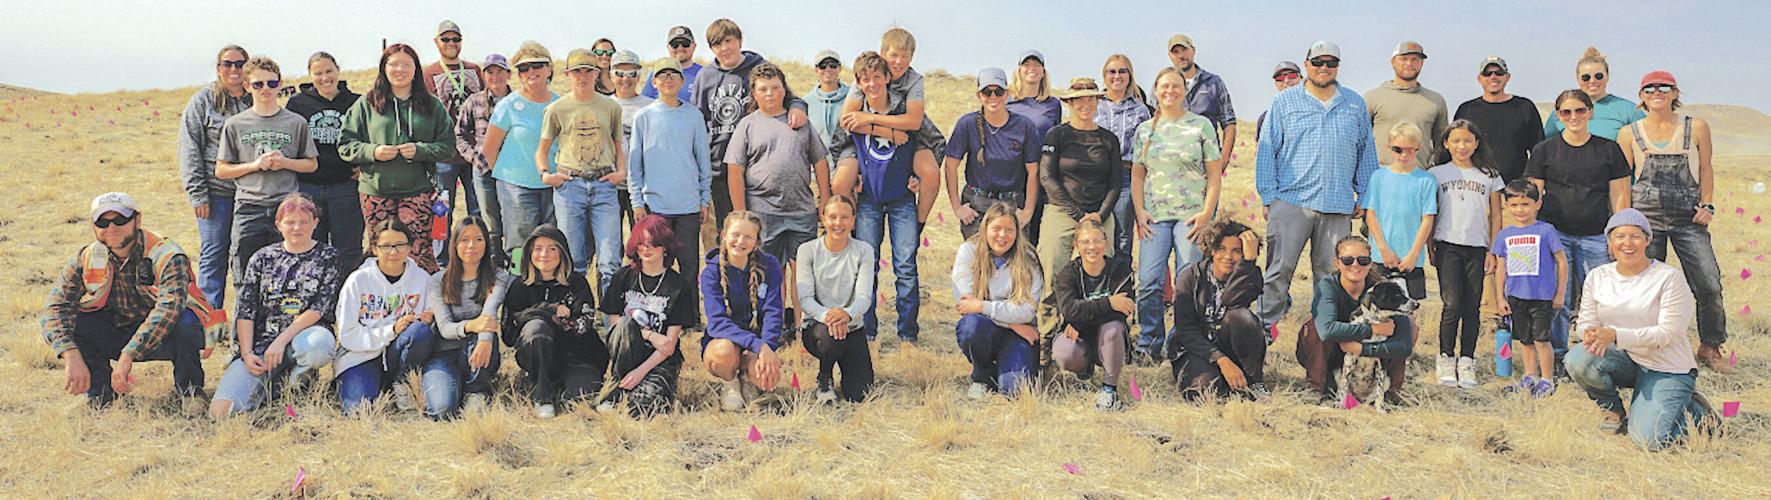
pixel 1285 66
pixel 1409 47
pixel 1182 40
pixel 113 201
pixel 1629 217
pixel 1493 61
pixel 993 76
pixel 1658 77
pixel 496 60
pixel 580 58
pixel 680 32
pixel 625 57
pixel 1030 53
pixel 826 54
pixel 1323 48
pixel 448 26
pixel 668 64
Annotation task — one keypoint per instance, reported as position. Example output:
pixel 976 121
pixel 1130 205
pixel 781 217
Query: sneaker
pixel 1257 391
pixel 403 397
pixel 607 406
pixel 826 395
pixel 1543 389
pixel 544 410
pixel 1446 370
pixel 1613 423
pixel 1466 372
pixel 1525 385
pixel 1108 400
pixel 476 402
pixel 977 391
pixel 1561 370
pixel 731 397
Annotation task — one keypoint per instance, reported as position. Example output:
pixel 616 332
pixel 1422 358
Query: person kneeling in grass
pixel 649 304
pixel 997 281
pixel 741 294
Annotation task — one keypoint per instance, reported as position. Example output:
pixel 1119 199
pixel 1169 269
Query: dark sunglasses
pixel 267 83
pixel 829 64
pixel 994 91
pixel 1572 112
pixel 1659 89
pixel 1118 71
pixel 1494 72
pixel 1600 76
pixel 1330 63
pixel 1363 260
pixel 531 66
pixel 1400 149
pixel 232 63
pixel 450 39
pixel 115 220
pixel 681 43
pixel 602 52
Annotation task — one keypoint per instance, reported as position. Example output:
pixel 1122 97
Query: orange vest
pixel 97 272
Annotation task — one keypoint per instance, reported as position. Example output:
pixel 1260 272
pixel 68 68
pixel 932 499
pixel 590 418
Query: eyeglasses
pixel 681 43
pixel 1363 260
pixel 602 52
pixel 116 220
pixel 232 63
pixel 1287 77
pixel 1659 89
pixel 1494 72
pixel 1403 150
pixel 993 91
pixel 829 64
pixel 273 84
pixel 1572 112
pixel 1118 71
pixel 626 73
pixel 530 66
pixel 396 247
pixel 1323 62
pixel 450 39
pixel 1600 76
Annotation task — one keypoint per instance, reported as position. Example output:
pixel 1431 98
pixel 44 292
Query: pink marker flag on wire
pixel 1733 358
pixel 1137 393
pixel 1746 274
pixel 1071 468
pixel 1745 310
pixel 300 478
pixel 795 382
pixel 1348 403
pixel 1730 408
pixel 289 410
pixel 754 435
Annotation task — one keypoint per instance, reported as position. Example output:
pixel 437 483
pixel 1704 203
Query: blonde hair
pixel 1015 87
pixel 1023 264
pixel 1405 130
pixel 751 268
pixel 897 38
pixel 1592 56
pixel 722 29
pixel 1132 89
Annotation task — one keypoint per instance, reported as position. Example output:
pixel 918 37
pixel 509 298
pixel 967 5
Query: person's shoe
pixel 977 391
pixel 1711 357
pixel 1525 385
pixel 1560 371
pixel 1543 389
pixel 475 402
pixel 1447 371
pixel 607 406
pixel 1108 400
pixel 1613 423
pixel 403 397
pixel 1466 372
pixel 1257 391
pixel 101 401
pixel 1393 399
pixel 544 410
pixel 731 397
pixel 826 395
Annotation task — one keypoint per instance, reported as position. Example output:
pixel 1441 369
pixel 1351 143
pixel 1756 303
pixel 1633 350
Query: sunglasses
pixel 1593 76
pixel 232 63
pixel 993 92
pixel 1403 150
pixel 531 66
pixel 1328 63
pixel 1659 89
pixel 1363 260
pixel 1572 112
pixel 273 84
pixel 602 52
pixel 1118 71
pixel 115 220
pixel 1494 72
pixel 626 73
pixel 450 39
pixel 1287 77
pixel 829 64
pixel 681 43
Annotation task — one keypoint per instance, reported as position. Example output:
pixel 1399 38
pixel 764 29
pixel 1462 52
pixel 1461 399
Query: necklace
pixel 655 287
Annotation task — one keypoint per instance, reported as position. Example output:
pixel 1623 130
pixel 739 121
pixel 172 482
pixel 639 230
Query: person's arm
pixel 1031 201
pixel 703 159
pixel 1068 293
pixel 1051 179
pixel 493 143
pixel 636 161
pixel 735 184
pixel 1214 188
pixel 1381 250
pixel 1494 208
pixel 1552 126
pixel 819 157
pixel 353 140
pixel 1139 175
pixel 1115 180
pixel 1422 235
pixel 1266 158
pixel 1587 314
pixel 1244 286
pixel 1190 324
pixel 193 139
pixel 774 313
pixel 1561 279
pixel 62 308
pixel 719 317
pixel 1227 138
pixel 1009 312
pixel 1677 307
pixel 448 326
pixel 617 134
pixel 1328 328
pixel 806 280
pixel 736 160
pixel 465 143
pixel 1620 194
pixel 961 275
pixel 861 297
pixel 673 332
pixel 1367 161
pixel 1626 145
pixel 1706 172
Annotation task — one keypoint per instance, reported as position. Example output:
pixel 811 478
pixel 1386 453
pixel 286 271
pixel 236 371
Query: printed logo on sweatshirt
pixel 726 106
pixel 265 141
pixel 326 126
pixel 372 308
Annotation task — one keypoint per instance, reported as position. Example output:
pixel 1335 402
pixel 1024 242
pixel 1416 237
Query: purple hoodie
pixel 736 319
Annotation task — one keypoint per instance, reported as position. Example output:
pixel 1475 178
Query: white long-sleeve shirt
pixel 829 280
pixel 1651 312
pixel 998 307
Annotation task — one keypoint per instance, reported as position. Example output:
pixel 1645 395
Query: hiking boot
pixel 1447 371
pixel 1466 372
pixel 1108 400
pixel 977 391
pixel 1711 357
pixel 1614 423
pixel 403 397
pixel 826 395
pixel 731 397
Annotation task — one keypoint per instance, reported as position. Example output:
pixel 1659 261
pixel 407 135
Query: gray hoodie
pixel 199 136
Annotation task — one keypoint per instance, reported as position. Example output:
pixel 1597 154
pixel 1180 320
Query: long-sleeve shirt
pixel 1080 170
pixel 471 126
pixel 831 280
pixel 669 170
pixel 1082 298
pixel 150 309
pixel 1001 284
pixel 369 307
pixel 1122 118
pixel 365 128
pixel 540 300
pixel 199 139
pixel 452 320
pixel 1315 156
pixel 732 312
pixel 1208 96
pixel 1201 303
pixel 1651 312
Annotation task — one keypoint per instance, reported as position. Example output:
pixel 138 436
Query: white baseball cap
pixel 118 202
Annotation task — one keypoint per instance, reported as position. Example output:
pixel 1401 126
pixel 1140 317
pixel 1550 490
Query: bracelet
pixel 1711 207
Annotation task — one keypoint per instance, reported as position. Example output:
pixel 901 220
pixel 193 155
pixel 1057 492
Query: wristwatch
pixel 1711 207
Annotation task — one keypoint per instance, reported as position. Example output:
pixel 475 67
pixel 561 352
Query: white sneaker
pixel 977 391
pixel 403 397
pixel 1466 372
pixel 475 402
pixel 544 411
pixel 1446 368
pixel 731 396
pixel 607 406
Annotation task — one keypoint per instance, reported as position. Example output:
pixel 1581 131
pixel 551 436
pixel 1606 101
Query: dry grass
pixel 919 437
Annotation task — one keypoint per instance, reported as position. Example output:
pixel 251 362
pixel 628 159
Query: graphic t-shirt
pixel 655 302
pixel 246 136
pixel 1530 253
pixel 278 286
pixel 1463 205
pixel 587 132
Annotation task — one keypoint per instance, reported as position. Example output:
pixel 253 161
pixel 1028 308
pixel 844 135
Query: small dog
pixel 1364 377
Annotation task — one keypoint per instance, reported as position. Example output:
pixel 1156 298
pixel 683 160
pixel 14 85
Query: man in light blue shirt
pixel 1316 156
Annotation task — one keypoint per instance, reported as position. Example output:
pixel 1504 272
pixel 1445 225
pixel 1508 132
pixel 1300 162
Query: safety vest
pixel 97 273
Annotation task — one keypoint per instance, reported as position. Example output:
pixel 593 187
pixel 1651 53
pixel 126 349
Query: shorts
pixel 782 235
pixel 1531 319
pixel 1416 280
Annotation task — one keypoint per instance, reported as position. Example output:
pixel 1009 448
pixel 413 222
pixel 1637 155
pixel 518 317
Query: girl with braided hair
pixel 741 295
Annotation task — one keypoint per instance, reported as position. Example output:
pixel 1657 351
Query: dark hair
pixel 1480 157
pixel 390 225
pixel 452 274
pixel 322 55
pixel 219 98
pixel 1352 239
pixel 381 96
pixel 1521 187
pixel 1224 228
pixel 652 230
pixel 769 70
pixel 549 231
pixel 1576 94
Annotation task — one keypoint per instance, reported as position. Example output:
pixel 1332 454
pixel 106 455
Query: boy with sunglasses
pixel 628 71
pixel 262 149
pixel 681 46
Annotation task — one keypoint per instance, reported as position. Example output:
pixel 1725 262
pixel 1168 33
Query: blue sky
pixel 105 45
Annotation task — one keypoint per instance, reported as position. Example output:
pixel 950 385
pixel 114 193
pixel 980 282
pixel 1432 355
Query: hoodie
pixel 733 317
pixel 325 121
pixel 365 128
pixel 825 110
pixel 1195 312
pixel 723 96
pixel 368 307
pixel 199 139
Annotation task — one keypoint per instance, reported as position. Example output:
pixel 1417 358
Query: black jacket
pixel 1192 333
pixel 325 121
pixel 525 302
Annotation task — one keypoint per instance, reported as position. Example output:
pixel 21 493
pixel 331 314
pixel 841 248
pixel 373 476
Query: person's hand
pixel 1390 259
pixel 796 118
pixel 409 150
pixel 207 350
pixel 1232 374
pixel 1027 332
pixel 659 340
pixel 1598 338
pixel 965 213
pixel 1352 347
pixel 1094 217
pixel 1124 304
pixel 428 316
pixel 1489 263
pixel 1070 331
pixel 555 179
pixel 561 311
pixel 202 211
pixel 1407 263
pixel 969 305
pixel 853 120
pixel 253 363
pixel 1146 226
pixel 1557 302
pixel 1702 217
pixel 1025 214
pixel 1384 329
pixel 386 153
pixel 120 375
pixel 1505 309
pixel 914 184
pixel 632 379
pixel 273 355
pixel 617 178
pixel 403 322
pixel 1196 226
pixel 767 370
pixel 640 212
pixel 838 322
pixel 481 355
pixel 1251 245
pixel 79 378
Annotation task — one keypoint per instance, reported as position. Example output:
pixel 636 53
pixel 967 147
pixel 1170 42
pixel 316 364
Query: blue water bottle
pixel 1503 349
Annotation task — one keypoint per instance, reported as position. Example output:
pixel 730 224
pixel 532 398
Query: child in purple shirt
pixel 1522 253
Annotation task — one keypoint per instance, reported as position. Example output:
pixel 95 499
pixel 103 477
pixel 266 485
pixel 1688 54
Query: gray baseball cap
pixel 1409 47
pixel 1285 66
pixel 1323 48
pixel 992 76
pixel 1493 61
pixel 1030 53
pixel 448 26
pixel 625 57
pixel 496 60
pixel 826 54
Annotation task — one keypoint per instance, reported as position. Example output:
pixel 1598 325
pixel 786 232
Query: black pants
pixel 1240 338
pixel 849 354
pixel 686 229
pixel 656 392
pixel 1460 285
pixel 722 201
pixel 100 341
pixel 560 369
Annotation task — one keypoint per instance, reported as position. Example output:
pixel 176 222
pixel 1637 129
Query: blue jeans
pixel 899 217
pixel 311 349
pixel 410 351
pixel 1584 253
pixel 590 215
pixel 1167 238
pixel 341 221
pixel 453 177
pixel 487 188
pixel 1000 358
pixel 1658 407
pixel 524 210
pixel 255 227
pixel 215 237
pixel 1124 218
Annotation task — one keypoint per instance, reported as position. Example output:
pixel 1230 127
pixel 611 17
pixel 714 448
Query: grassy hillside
pixel 919 437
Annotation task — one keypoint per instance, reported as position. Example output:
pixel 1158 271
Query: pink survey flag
pixel 1730 409
pixel 1137 393
pixel 289 410
pixel 1071 468
pixel 1739 210
pixel 1745 310
pixel 1733 358
pixel 1746 274
pixel 1756 219
pixel 300 478
pixel 925 242
pixel 795 382
pixel 941 216
pixel 1348 403
pixel 754 435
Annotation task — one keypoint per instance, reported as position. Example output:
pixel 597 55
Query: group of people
pixel 332 212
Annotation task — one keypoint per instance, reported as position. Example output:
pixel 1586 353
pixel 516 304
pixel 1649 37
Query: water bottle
pixel 1503 349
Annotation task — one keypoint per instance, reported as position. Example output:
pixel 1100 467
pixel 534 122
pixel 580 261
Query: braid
pixel 723 285
pixel 756 278
pixel 983 155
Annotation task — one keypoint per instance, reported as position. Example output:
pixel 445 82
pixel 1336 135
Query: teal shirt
pixel 1610 114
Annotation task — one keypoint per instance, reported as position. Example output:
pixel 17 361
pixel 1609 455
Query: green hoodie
pixel 364 129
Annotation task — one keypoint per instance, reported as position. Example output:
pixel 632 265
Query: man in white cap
pixel 1510 124
pixel 1404 99
pixel 452 80
pixel 1314 160
pixel 681 44
pixel 824 103
pixel 128 296
pixel 1207 95
pixel 1286 75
